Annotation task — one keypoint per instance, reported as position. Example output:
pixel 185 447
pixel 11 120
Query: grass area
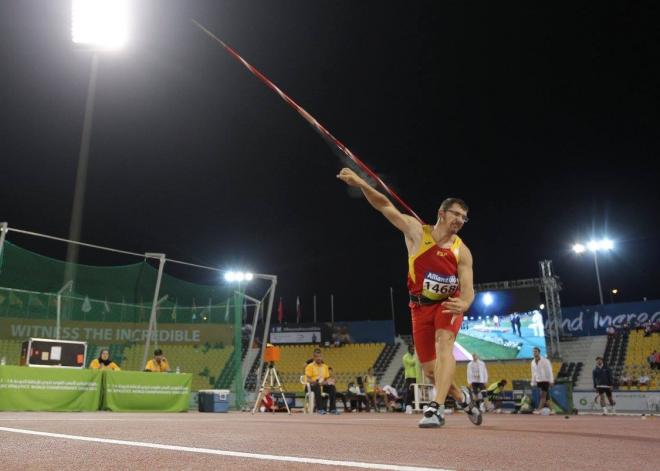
pixel 486 350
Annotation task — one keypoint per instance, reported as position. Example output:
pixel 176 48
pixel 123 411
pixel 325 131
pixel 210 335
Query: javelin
pixel 311 120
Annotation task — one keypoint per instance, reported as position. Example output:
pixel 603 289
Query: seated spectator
pixel 626 378
pixel 651 358
pixel 317 374
pixel 394 401
pixel 103 362
pixel 332 381
pixel 356 398
pixel 656 363
pixel 373 390
pixel 267 402
pixel 158 364
pixel 644 379
pixel 494 394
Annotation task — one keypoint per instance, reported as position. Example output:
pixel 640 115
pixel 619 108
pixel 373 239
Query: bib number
pixel 439 287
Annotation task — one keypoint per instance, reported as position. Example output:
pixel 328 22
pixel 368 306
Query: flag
pixel 280 312
pixel 297 310
pixel 33 300
pixel 15 300
pixel 86 305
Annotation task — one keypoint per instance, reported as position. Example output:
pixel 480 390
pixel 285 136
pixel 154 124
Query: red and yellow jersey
pixel 433 270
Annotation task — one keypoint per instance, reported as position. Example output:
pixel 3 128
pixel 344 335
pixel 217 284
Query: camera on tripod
pixel 271 354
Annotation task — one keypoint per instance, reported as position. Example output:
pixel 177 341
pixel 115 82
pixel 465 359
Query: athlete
pixel 440 288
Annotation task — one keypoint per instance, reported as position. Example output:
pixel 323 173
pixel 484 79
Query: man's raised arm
pixel 406 224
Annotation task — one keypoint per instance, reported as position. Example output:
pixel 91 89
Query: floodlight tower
pixel 96 25
pixel 595 246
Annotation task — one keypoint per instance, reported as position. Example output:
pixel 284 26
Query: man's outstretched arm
pixel 406 224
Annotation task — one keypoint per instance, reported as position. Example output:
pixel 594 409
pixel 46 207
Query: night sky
pixel 544 118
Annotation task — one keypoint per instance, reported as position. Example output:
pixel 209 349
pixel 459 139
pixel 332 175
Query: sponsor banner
pixel 339 332
pixel 300 333
pixel 49 389
pixel 633 401
pixel 134 391
pixel 594 320
pixel 295 337
pixel 114 332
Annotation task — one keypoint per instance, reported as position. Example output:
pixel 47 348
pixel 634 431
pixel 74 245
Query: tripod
pixel 270 378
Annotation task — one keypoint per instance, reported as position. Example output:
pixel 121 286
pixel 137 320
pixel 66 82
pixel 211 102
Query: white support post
pixel 273 281
pixel 67 286
pixel 4 228
pixel 246 366
pixel 154 304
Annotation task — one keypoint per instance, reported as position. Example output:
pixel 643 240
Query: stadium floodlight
pixel 488 299
pixel 578 248
pixel 101 24
pixel 594 247
pixel 606 244
pixel 238 276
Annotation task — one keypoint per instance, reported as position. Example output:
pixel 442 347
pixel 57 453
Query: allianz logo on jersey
pixel 447 280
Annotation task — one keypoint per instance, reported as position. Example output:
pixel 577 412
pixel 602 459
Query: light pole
pixel 594 247
pixel 613 293
pixel 100 25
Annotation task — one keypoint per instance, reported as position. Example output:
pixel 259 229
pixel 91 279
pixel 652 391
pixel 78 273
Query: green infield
pixel 486 350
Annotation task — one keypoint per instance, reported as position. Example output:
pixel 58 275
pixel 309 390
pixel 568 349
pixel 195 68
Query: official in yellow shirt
pixel 103 362
pixel 317 374
pixel 158 364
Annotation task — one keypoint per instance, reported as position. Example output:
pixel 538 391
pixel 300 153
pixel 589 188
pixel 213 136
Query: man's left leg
pixel 331 390
pixel 611 400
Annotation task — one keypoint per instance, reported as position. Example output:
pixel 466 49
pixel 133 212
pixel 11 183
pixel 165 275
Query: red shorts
pixel 426 319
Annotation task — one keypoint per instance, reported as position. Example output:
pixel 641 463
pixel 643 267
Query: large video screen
pixel 502 325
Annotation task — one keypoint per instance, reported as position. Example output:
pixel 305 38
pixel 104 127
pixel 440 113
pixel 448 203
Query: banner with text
pixel 114 332
pixel 133 391
pixel 49 389
pixel 300 333
pixel 630 401
pixel 594 320
pixel 339 332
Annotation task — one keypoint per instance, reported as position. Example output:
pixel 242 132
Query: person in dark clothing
pixel 603 383
pixel 515 323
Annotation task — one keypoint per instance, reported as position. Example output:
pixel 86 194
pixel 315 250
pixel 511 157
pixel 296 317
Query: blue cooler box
pixel 213 400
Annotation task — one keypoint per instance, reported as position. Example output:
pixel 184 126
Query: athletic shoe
pixel 322 412
pixel 471 408
pixel 432 417
pixel 335 412
pixel 409 409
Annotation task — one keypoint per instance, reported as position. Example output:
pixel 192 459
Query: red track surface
pixel 507 442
